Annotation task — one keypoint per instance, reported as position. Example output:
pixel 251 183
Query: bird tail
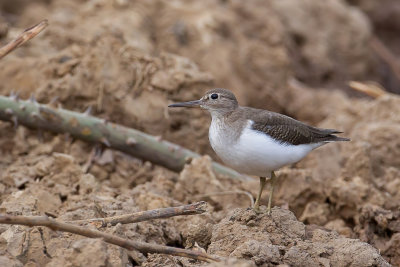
pixel 328 135
pixel 334 138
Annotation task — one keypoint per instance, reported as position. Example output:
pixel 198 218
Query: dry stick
pixel 23 38
pixel 386 55
pixel 372 89
pixel 108 238
pixel 95 130
pixel 92 156
pixel 224 193
pixel 195 208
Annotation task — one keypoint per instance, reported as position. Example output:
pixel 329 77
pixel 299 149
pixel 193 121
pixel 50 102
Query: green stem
pixel 96 130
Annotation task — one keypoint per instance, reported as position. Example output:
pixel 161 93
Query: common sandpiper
pixel 256 141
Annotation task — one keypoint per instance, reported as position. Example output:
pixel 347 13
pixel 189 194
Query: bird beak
pixel 189 104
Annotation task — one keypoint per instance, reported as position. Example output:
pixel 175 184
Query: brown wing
pixel 291 131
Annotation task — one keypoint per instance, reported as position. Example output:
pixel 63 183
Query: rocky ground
pixel 130 59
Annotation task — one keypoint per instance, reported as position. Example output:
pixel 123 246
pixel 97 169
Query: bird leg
pixel 257 203
pixel 271 192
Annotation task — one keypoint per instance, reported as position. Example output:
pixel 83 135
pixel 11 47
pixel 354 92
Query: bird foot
pixel 258 210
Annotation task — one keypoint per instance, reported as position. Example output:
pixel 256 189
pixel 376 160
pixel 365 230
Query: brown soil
pixel 130 59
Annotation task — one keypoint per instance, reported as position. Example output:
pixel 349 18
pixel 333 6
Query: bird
pixel 257 142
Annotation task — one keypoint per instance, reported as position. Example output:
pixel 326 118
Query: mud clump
pixel 281 239
pixel 315 62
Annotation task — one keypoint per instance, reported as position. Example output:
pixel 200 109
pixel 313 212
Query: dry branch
pixel 23 38
pixel 372 89
pixel 195 208
pixel 95 130
pixel 108 238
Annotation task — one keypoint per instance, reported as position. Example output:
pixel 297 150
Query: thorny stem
pixel 95 130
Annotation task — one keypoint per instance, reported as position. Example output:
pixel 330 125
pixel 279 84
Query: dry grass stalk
pixel 23 38
pixel 190 209
pixel 370 88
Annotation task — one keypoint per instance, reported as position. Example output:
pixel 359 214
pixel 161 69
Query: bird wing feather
pixel 288 130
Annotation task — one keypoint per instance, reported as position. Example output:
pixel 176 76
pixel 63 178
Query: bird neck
pixel 222 114
pixel 229 123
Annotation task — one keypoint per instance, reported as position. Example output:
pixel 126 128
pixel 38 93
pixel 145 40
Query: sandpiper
pixel 255 141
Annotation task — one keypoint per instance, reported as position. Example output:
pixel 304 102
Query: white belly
pixel 256 153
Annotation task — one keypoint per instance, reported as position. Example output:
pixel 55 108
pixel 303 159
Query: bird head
pixel 217 101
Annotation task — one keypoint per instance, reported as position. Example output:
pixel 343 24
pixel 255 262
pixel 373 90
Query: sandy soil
pixel 130 59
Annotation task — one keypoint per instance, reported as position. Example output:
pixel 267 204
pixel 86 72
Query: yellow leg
pixel 257 203
pixel 271 192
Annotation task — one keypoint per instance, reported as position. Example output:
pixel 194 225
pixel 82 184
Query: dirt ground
pixel 130 59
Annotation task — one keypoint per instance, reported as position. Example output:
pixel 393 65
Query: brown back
pixel 288 130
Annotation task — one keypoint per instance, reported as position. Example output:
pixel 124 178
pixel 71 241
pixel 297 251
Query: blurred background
pixel 130 59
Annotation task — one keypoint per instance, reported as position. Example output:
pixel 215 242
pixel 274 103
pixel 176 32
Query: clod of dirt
pixel 340 227
pixel 3 28
pixel 346 57
pixel 233 262
pixel 8 261
pixel 197 181
pixel 381 228
pixel 385 17
pixel 197 178
pixel 281 239
pixel 315 212
pixel 221 39
pixel 34 200
pixel 86 252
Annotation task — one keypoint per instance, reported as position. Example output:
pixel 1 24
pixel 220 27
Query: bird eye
pixel 214 96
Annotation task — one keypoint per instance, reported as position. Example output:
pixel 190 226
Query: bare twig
pixel 23 38
pixel 224 193
pixel 89 162
pixel 386 55
pixel 94 153
pixel 108 238
pixel 195 208
pixel 372 89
